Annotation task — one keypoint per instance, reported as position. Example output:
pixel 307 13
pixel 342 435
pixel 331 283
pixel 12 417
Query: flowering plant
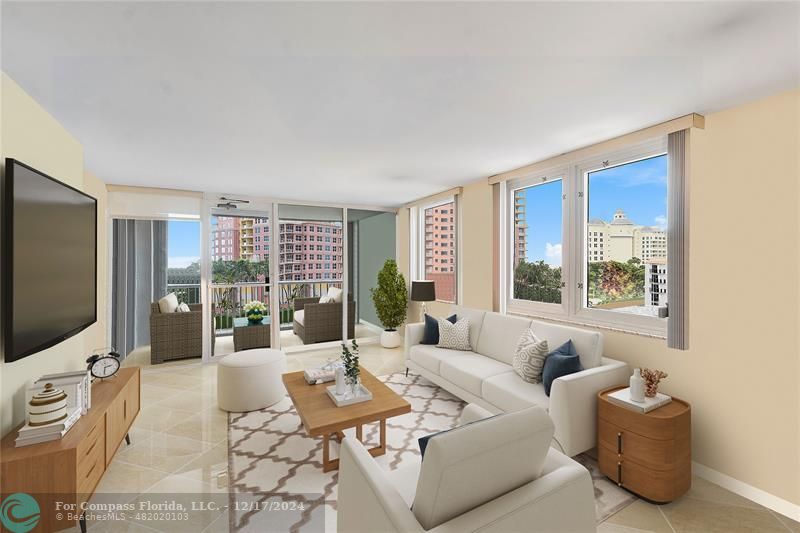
pixel 255 305
pixel 255 311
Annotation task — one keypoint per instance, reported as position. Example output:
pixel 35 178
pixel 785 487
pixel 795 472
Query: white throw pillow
pixel 454 336
pixel 529 357
pixel 183 308
pixel 168 304
pixel 335 294
pixel 325 299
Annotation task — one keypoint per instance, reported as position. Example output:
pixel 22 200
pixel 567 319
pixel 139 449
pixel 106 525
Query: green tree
pixel 537 281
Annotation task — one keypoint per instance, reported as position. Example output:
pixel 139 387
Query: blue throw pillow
pixel 560 362
pixel 431 334
pixel 423 441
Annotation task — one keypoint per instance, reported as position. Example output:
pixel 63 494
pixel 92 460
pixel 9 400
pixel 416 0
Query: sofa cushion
pixel 299 317
pixel 431 333
pixel 510 393
pixel 529 357
pixel 588 344
pixel 475 317
pixel 454 336
pixel 560 362
pixel 430 357
pixel 453 478
pixel 469 370
pixel 168 304
pixel 499 336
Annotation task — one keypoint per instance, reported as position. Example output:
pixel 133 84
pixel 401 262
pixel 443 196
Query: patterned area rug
pixel 275 469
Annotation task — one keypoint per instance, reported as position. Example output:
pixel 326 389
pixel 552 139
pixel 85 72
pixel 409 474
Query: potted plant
pixel 255 311
pixel 391 299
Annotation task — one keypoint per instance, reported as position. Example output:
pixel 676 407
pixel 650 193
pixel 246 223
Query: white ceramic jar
pixel 47 407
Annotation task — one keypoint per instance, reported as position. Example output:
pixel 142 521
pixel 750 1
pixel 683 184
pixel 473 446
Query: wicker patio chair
pixel 315 322
pixel 175 335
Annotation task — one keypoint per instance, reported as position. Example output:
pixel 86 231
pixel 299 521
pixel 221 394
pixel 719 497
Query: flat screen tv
pixel 49 261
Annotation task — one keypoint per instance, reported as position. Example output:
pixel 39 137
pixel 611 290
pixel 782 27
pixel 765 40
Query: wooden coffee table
pixel 321 417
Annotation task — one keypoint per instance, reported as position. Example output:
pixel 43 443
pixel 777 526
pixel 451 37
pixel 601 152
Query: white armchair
pixel 498 475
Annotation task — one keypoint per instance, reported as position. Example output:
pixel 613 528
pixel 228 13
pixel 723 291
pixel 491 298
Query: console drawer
pixel 90 469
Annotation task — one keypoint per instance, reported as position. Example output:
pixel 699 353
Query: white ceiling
pixel 378 104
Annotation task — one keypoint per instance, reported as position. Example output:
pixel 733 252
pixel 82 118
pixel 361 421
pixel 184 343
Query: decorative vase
pixel 47 406
pixel 353 384
pixel 637 386
pixel 390 338
pixel 340 381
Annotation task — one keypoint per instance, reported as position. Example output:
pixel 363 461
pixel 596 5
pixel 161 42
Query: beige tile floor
pixel 179 445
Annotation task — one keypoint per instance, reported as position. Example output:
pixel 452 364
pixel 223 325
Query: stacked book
pixel 35 434
pixel 622 397
pixel 323 374
pixel 78 388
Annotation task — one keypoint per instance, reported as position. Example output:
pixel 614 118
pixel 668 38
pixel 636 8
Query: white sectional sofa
pixel 485 377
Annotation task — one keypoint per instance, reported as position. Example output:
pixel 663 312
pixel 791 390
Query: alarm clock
pixel 103 365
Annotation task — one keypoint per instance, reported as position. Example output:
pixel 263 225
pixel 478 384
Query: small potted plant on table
pixel 390 298
pixel 255 312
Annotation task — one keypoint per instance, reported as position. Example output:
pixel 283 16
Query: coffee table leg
pixel 383 436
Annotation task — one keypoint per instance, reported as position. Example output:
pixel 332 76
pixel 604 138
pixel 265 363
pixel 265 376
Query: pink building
pixel 225 239
pixel 309 251
pixel 440 251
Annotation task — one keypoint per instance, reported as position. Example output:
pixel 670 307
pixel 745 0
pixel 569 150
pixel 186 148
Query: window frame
pixel 574 269
pixel 418 244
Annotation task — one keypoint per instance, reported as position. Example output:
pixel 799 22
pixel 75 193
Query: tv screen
pixel 49 261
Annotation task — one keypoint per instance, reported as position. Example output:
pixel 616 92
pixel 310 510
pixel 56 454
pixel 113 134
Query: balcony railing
pixel 228 301
pixel 186 292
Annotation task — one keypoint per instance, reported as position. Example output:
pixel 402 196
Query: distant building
pixel 308 250
pixel 440 256
pixel 621 240
pixel 655 281
pixel 520 228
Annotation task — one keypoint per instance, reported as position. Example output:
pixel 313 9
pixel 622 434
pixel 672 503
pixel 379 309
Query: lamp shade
pixel 423 291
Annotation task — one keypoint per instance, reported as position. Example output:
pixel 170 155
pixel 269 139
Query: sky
pixel 183 242
pixel 639 189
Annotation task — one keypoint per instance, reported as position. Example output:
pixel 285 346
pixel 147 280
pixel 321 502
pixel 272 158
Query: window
pixel 431 244
pixel 628 203
pixel 588 242
pixel 537 235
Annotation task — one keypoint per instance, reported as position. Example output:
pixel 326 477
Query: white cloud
pixel 552 253
pixel 661 222
pixel 181 262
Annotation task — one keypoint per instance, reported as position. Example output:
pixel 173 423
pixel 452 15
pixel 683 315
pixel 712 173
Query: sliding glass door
pixel 311 272
pixel 240 282
pixel 371 239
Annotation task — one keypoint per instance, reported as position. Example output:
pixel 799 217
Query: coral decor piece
pixel 651 380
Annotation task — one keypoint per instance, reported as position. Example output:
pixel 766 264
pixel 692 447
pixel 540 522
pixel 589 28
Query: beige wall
pixel 30 134
pixel 742 373
pixel 476 239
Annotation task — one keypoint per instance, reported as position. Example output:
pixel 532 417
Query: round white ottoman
pixel 250 380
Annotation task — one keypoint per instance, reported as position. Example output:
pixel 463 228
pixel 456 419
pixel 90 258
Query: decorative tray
pixel 363 395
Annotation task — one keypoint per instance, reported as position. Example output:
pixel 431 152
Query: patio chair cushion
pixel 168 304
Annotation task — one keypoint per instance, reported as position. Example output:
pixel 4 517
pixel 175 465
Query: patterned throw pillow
pixel 454 336
pixel 529 357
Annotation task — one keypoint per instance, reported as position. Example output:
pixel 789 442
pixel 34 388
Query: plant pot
pixel 390 338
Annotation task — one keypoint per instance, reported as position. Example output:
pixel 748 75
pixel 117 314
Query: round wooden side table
pixel 649 454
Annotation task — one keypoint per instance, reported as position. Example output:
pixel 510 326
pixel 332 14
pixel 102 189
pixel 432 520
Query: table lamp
pixel 423 291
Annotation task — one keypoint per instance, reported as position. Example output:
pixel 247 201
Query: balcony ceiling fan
pixel 231 203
